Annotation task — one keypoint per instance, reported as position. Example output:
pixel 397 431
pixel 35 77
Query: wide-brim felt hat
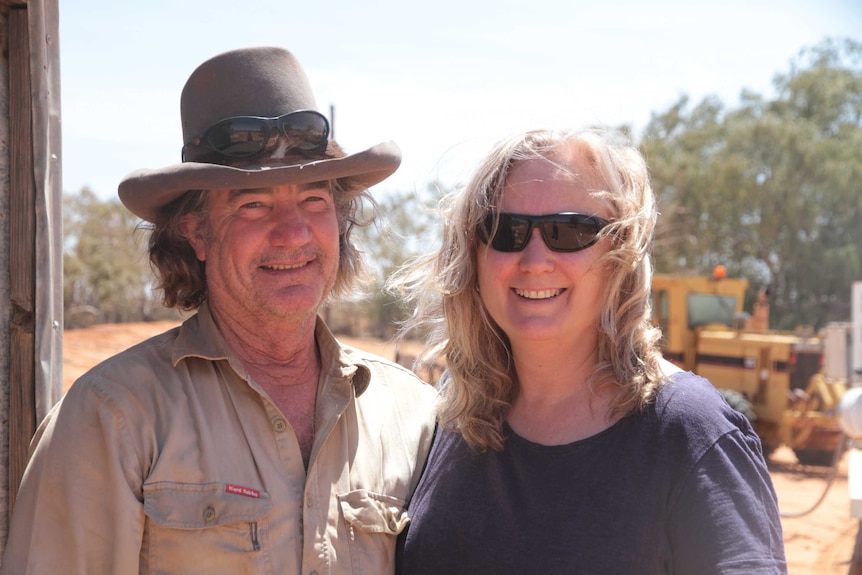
pixel 267 82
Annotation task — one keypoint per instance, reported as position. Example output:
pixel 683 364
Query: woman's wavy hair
pixel 480 383
pixel 182 277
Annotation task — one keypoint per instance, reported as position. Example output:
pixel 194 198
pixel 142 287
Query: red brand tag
pixel 240 490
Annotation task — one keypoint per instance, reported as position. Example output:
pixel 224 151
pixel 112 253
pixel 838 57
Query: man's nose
pixel 289 228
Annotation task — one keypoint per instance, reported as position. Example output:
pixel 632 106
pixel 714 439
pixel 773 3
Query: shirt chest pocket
pixel 373 522
pixel 204 528
pixel 373 512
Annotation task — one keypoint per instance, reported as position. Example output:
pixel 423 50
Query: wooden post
pixel 22 240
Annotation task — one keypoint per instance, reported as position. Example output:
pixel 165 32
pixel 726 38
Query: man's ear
pixel 190 227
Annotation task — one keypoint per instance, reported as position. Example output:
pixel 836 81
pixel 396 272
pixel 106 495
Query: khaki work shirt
pixel 168 459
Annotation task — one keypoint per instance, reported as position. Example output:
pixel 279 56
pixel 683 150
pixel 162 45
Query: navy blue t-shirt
pixel 680 488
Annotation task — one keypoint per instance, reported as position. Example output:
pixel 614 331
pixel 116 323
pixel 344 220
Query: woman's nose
pixel 536 256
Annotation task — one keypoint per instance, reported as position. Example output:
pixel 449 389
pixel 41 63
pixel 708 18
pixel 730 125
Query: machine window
pixel 704 309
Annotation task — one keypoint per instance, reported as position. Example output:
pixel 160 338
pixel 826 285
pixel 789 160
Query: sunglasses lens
pixel 569 233
pixel 238 137
pixel 512 233
pixel 305 130
pixel 561 232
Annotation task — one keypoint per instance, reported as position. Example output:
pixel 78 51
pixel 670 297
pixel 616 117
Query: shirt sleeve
pixel 725 517
pixel 79 508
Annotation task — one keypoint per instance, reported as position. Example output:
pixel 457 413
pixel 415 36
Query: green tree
pixel 770 189
pixel 106 274
pixel 407 225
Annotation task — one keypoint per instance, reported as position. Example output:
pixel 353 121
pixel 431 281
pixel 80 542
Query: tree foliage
pixel 107 277
pixel 770 189
pixel 407 224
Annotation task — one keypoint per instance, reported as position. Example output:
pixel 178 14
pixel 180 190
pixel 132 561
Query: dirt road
pixel 817 543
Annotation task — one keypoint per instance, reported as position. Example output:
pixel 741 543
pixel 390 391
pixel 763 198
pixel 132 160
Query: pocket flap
pixel 200 505
pixel 373 512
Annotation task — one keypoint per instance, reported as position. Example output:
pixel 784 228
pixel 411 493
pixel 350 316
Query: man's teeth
pixel 292 267
pixel 538 294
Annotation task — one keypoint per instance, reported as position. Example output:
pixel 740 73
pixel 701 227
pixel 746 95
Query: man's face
pixel 271 254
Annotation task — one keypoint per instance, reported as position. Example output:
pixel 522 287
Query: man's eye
pixel 251 205
pixel 316 202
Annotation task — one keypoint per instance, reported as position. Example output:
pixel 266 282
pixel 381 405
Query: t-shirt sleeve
pixel 724 516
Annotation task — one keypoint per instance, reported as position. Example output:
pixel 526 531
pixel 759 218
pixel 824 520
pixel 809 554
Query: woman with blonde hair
pixel 567 444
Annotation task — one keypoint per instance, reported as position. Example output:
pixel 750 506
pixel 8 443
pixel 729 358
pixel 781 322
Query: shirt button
pixel 279 425
pixel 309 502
pixel 209 513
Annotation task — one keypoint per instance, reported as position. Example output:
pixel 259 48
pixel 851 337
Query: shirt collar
pixel 199 337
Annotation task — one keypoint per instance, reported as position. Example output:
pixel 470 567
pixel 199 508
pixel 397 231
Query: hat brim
pixel 144 192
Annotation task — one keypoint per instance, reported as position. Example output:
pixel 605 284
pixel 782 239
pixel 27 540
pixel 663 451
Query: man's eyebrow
pixel 310 186
pixel 324 184
pixel 234 194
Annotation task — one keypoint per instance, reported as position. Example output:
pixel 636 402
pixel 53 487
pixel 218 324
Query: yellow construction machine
pixel 775 377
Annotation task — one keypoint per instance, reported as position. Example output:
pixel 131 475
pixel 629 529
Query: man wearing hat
pixel 247 440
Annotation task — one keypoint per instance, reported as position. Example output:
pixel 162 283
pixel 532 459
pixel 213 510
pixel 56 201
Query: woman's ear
pixel 191 229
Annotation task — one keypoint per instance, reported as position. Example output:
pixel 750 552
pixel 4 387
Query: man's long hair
pixel 182 277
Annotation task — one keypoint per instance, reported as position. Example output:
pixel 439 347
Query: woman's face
pixel 539 295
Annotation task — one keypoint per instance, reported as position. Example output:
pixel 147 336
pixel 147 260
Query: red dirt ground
pixel 818 543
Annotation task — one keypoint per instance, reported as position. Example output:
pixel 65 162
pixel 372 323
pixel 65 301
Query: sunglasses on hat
pixel 245 136
pixel 563 232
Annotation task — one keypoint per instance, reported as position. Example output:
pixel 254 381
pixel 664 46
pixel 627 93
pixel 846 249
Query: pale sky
pixel 445 79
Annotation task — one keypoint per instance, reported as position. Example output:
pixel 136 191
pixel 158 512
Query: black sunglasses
pixel 564 232
pixel 244 136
